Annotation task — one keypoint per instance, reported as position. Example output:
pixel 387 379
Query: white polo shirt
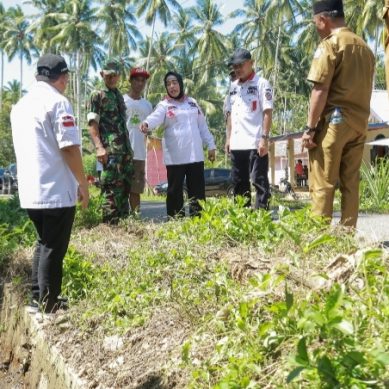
pixel 186 130
pixel 136 112
pixel 246 103
pixel 42 124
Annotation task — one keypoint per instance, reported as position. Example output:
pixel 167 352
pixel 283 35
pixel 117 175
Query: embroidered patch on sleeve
pixel 68 121
pixel 268 95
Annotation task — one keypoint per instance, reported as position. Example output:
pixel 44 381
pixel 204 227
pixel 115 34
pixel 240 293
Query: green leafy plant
pixel 91 216
pixel 16 230
pixel 374 186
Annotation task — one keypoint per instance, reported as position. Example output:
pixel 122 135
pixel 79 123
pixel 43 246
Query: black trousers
pixel 248 164
pixel 194 175
pixel 54 228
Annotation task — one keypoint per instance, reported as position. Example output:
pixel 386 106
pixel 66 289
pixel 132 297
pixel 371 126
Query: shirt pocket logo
pixel 170 114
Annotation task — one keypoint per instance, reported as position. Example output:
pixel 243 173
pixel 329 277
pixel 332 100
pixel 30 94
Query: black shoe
pixel 32 306
pixel 53 307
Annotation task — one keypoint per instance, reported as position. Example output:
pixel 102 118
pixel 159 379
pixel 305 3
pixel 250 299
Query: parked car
pixel 2 170
pixel 217 183
pixel 9 180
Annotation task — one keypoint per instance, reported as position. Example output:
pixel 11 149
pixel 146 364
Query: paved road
pixel 373 228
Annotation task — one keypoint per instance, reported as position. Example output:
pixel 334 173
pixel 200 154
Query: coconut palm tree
pixel 3 23
pixel 119 27
pixel 364 17
pixel 75 34
pixel 17 40
pixel 210 44
pixel 13 91
pixel 154 9
pixel 251 29
pixel 162 59
pixel 183 34
pixel 284 10
pixel 42 23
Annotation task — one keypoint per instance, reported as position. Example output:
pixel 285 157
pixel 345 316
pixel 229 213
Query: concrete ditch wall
pixel 27 360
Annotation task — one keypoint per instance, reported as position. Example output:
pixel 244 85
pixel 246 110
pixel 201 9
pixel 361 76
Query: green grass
pixel 241 283
pixel 16 230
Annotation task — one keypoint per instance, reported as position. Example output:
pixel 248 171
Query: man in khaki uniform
pixel 385 16
pixel 342 74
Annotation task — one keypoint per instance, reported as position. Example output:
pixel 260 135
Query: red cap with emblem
pixel 139 72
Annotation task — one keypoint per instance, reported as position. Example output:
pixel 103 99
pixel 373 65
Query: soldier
pixel 342 74
pixel 107 127
pixel 386 19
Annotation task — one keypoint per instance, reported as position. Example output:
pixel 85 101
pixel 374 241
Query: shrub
pixel 16 229
pixel 89 162
pixel 91 216
pixel 374 186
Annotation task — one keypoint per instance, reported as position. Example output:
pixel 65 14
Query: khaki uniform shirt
pixel 345 64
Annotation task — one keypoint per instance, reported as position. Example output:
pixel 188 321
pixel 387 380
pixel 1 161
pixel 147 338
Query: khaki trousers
pixel 336 159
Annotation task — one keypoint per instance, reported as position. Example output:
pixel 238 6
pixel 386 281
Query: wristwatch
pixel 263 136
pixel 308 129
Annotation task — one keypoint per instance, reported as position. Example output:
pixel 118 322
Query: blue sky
pixel 11 69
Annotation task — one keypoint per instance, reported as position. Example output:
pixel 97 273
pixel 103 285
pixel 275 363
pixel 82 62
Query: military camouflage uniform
pixel 109 105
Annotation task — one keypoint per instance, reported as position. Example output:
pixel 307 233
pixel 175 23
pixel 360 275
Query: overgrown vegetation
pixel 16 229
pixel 262 306
pixel 374 188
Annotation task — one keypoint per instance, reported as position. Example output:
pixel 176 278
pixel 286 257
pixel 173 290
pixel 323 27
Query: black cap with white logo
pixel 50 66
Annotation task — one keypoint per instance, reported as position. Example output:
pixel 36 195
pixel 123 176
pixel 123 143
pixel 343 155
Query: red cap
pixel 135 72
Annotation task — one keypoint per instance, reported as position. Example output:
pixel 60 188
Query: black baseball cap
pixel 240 56
pixel 50 66
pixel 333 6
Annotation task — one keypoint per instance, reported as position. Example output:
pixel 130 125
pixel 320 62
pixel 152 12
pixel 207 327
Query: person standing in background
pixel 137 109
pixel 299 170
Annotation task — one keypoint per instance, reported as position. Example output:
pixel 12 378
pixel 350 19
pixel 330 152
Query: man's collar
pixel 250 77
pixel 106 89
pixel 336 31
pixel 134 98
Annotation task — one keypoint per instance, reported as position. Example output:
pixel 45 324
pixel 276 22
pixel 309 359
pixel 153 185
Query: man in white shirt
pixel 50 173
pixel 137 109
pixel 249 109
